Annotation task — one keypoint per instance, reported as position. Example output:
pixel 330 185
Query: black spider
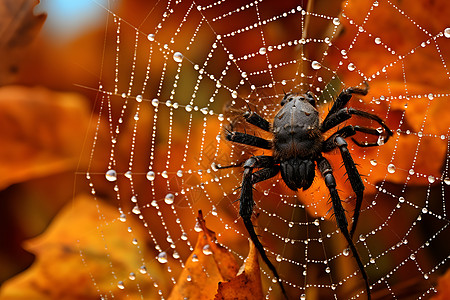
pixel 297 146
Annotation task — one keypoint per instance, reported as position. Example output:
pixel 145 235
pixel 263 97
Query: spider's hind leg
pixel 269 169
pixel 339 213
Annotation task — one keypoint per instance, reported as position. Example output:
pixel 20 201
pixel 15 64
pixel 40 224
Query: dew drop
pixel 327 269
pixel 244 75
pixel 412 257
pixel 207 250
pixel 169 198
pixel 401 199
pixel 336 21
pixel 411 172
pixel 150 175
pixel 279 258
pixel 316 222
pixel 155 102
pixel 234 94
pixel 178 57
pixel 162 257
pixel 122 218
pixel 164 174
pixel 132 276
pixel 143 270
pixel 188 108
pixel 176 255
pixel 195 258
pixel 120 285
pixel 316 65
pixel 377 41
pixel 372 260
pixel 447 180
pixel 197 227
pixel 425 276
pixel 373 162
pixel 447 32
pixel 136 210
pixel 139 98
pixel 184 236
pixel 111 175
pixel 180 173
pixel 346 252
pixel 431 179
pixel 351 67
pixel 151 37
pixel 189 278
pixel 391 168
pixel 262 50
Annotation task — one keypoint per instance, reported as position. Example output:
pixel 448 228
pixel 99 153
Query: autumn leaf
pixel 72 262
pixel 207 265
pixel 18 27
pixel 443 287
pixel 37 132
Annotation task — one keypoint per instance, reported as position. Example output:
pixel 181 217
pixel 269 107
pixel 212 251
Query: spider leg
pixel 346 132
pixel 248 139
pixel 339 212
pixel 246 201
pixel 345 96
pixel 344 114
pixel 337 141
pixel 255 119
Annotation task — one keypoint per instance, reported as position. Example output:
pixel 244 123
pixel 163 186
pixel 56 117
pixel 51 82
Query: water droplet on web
pixel 411 172
pixel 132 276
pixel 188 108
pixel 207 250
pixel 169 198
pixel 143 269
pixel 123 218
pixel 164 174
pixel 197 227
pixel 176 255
pixel 221 117
pixel 336 21
pixel 150 175
pixel 327 269
pixel 244 75
pixel 425 276
pixel 136 210
pixel 362 238
pixel 291 224
pixel 316 65
pixel 351 67
pixel 447 32
pixel 373 162
pixel 316 222
pixel 377 41
pixel 302 297
pixel 155 102
pixel 162 257
pixel 412 257
pixel 380 141
pixel 178 57
pixel 274 280
pixel 372 260
pixel 234 94
pixel 184 236
pixel 447 180
pixel 195 258
pixel 189 278
pixel 391 168
pixel 430 96
pixel 120 285
pixel 375 3
pixel 151 37
pixel 262 50
pixel 431 179
pixel 139 98
pixel 111 175
pixel 346 252
pixel 401 199
pixel 279 258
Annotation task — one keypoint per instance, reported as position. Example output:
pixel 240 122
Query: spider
pixel 297 145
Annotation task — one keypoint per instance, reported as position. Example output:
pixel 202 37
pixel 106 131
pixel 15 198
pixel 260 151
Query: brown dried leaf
pixel 18 27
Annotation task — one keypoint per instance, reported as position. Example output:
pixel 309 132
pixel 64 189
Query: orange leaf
pixel 41 132
pixel 443 288
pixel 247 284
pixel 208 265
pixel 58 272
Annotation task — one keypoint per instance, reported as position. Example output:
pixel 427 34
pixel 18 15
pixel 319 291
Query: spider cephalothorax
pixel 297 146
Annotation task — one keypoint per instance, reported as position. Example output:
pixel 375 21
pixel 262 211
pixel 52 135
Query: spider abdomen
pixel 298 173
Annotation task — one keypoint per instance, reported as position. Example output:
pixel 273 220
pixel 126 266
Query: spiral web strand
pixel 166 80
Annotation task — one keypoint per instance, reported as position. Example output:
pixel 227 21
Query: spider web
pixel 172 81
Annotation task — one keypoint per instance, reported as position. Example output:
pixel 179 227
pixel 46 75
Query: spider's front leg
pixel 339 213
pixel 269 169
